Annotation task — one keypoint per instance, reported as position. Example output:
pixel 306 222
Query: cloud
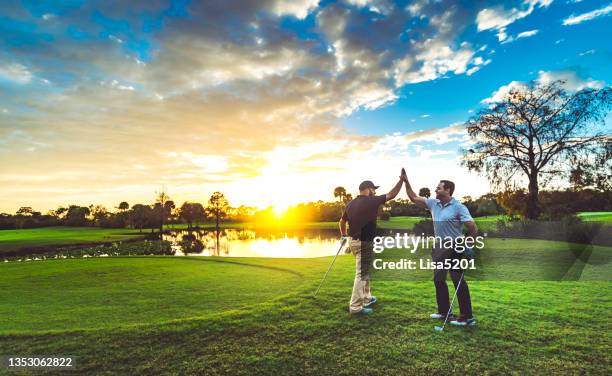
pixel 378 6
pixel 503 91
pixel 116 85
pixel 573 83
pixel 498 18
pixel 452 133
pixel 524 34
pixel 575 20
pixel 435 60
pixel 297 8
pixel 587 52
pixel 527 34
pixel 16 73
pixel 227 84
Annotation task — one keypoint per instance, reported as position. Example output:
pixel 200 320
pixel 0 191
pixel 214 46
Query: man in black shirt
pixel 360 214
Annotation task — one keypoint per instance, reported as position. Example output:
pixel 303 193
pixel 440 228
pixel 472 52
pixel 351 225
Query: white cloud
pixel 527 34
pixel 224 64
pixel 48 16
pixel 572 83
pixel 472 70
pixel 117 85
pixel 377 6
pixel 372 97
pixel 503 91
pixel 297 8
pixel 452 133
pixel 524 34
pixel 498 18
pixel 575 20
pixel 205 163
pixel 16 73
pixel 115 39
pixel 588 52
pixel 437 59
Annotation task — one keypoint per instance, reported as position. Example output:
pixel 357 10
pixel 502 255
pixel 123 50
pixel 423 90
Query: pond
pixel 227 242
pixel 257 242
pixel 254 243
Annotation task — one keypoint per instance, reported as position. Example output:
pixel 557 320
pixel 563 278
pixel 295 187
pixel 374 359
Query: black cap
pixel 367 184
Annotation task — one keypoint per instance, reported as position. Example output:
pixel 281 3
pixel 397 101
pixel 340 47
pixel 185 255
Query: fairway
pixel 41 238
pixel 596 216
pixel 122 291
pixel 143 315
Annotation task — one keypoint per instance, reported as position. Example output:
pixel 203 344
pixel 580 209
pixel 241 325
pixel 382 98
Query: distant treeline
pixel 555 204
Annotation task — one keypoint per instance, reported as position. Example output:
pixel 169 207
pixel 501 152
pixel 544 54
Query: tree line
pixel 553 205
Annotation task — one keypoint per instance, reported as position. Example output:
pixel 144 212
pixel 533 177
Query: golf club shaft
pixel 330 266
pixel 453 301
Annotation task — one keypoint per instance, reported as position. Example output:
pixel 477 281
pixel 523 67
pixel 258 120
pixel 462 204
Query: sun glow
pixel 279 210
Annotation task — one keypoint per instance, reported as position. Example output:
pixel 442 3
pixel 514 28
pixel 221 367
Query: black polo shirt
pixel 361 214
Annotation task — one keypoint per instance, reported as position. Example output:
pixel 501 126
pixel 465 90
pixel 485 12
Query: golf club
pixel 342 243
pixel 441 328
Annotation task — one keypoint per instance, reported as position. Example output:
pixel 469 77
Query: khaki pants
pixel 361 286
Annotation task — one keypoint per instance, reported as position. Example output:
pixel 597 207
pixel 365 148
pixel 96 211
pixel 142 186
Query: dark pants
pixel 463 293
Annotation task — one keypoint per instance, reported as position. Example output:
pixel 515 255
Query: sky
pixel 270 102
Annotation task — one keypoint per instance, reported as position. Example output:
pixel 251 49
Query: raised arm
pixel 395 190
pixel 418 200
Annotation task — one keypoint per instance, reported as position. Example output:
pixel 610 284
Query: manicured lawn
pixel 596 216
pixel 156 315
pixel 106 292
pixel 400 223
pixel 11 240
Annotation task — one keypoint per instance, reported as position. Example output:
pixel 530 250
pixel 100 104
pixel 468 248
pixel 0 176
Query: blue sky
pixel 102 101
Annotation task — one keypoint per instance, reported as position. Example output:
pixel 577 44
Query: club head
pixel 438 328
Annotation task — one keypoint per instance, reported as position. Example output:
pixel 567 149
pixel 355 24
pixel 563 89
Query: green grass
pixel 12 240
pixel 105 292
pixel 596 216
pixel 400 223
pixel 156 315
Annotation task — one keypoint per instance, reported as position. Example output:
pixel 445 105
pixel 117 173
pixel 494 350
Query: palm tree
pixel 340 193
pixel 425 192
pixel 160 204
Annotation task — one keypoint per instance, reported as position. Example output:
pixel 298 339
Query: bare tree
pixel 538 131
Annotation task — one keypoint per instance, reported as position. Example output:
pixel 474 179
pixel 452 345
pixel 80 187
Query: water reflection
pixel 254 243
